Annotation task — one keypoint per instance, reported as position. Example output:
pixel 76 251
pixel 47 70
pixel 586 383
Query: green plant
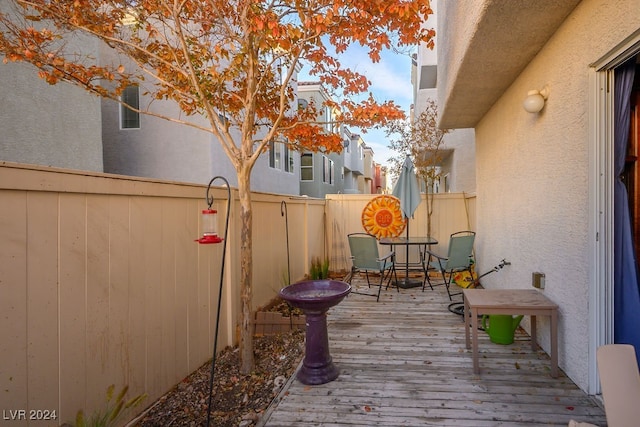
pixel 325 268
pixel 113 411
pixel 319 269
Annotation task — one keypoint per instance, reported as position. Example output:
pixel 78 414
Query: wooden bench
pixel 509 301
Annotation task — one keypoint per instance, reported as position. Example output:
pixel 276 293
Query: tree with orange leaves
pixel 422 140
pixel 229 61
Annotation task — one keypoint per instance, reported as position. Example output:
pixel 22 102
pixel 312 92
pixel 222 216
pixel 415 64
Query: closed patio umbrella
pixel 407 190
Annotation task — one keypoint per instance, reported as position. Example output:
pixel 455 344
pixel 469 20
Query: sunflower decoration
pixel 383 217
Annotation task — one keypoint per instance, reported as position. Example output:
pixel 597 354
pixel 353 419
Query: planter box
pixel 273 322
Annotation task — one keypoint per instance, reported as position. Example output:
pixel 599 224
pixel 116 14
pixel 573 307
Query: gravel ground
pixel 238 400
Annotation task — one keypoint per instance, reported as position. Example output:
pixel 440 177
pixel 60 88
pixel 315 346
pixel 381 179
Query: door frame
pixel 601 179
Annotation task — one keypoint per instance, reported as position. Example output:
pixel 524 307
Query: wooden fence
pixel 101 281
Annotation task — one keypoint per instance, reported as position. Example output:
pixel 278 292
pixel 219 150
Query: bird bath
pixel 314 298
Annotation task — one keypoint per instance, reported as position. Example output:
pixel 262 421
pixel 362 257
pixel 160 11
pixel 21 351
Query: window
pixel 306 167
pixel 130 119
pixel 332 176
pixel 428 76
pixel 327 170
pixel 328 126
pixel 288 159
pixel 280 156
pixel 275 154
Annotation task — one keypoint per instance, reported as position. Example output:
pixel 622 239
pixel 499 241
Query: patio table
pixel 510 301
pixel 422 242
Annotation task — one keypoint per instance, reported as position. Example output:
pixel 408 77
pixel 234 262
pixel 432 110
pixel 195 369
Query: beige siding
pixel 13 301
pixel 101 281
pixel 42 301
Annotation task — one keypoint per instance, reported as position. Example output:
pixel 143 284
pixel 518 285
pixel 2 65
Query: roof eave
pixel 484 46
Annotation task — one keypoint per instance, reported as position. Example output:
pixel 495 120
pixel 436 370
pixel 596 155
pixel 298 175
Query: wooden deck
pixel 403 362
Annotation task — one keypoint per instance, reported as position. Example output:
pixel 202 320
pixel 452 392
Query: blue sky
pixel 391 80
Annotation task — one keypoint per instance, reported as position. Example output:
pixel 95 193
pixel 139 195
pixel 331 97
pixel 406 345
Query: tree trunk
pixel 429 201
pixel 246 269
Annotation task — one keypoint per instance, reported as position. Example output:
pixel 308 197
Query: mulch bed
pixel 238 400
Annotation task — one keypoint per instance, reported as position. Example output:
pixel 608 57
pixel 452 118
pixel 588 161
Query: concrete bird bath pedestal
pixel 314 298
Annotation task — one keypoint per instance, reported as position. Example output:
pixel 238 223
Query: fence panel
pixel 451 212
pixel 101 281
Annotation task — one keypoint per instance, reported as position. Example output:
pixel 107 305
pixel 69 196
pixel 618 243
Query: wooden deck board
pixel 403 362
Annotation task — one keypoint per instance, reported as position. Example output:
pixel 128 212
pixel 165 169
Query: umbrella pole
pixel 406 272
pixel 407 282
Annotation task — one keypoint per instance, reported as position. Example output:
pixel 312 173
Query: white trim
pixel 600 218
pixel 122 110
pixel 311 167
pixel 625 50
pixel 601 179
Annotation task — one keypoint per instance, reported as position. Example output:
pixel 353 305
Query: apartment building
pixel 457 152
pixel 93 134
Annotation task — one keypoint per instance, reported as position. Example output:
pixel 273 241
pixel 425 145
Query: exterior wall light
pixel 534 102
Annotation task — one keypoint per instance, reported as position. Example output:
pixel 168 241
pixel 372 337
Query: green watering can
pixel 501 327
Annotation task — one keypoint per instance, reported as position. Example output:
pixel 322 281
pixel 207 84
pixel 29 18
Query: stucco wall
pixel 463 161
pixel 460 165
pixel 169 151
pixel 165 150
pixel 532 173
pixel 158 149
pixel 47 125
pixel 460 143
pixel 52 125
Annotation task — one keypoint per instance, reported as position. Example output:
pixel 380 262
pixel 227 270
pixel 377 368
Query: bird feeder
pixel 209 227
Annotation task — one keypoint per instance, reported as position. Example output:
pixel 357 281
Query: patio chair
pixel 459 258
pixel 620 380
pixel 365 258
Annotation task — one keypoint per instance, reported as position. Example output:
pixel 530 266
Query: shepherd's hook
pixel 284 213
pixel 224 251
